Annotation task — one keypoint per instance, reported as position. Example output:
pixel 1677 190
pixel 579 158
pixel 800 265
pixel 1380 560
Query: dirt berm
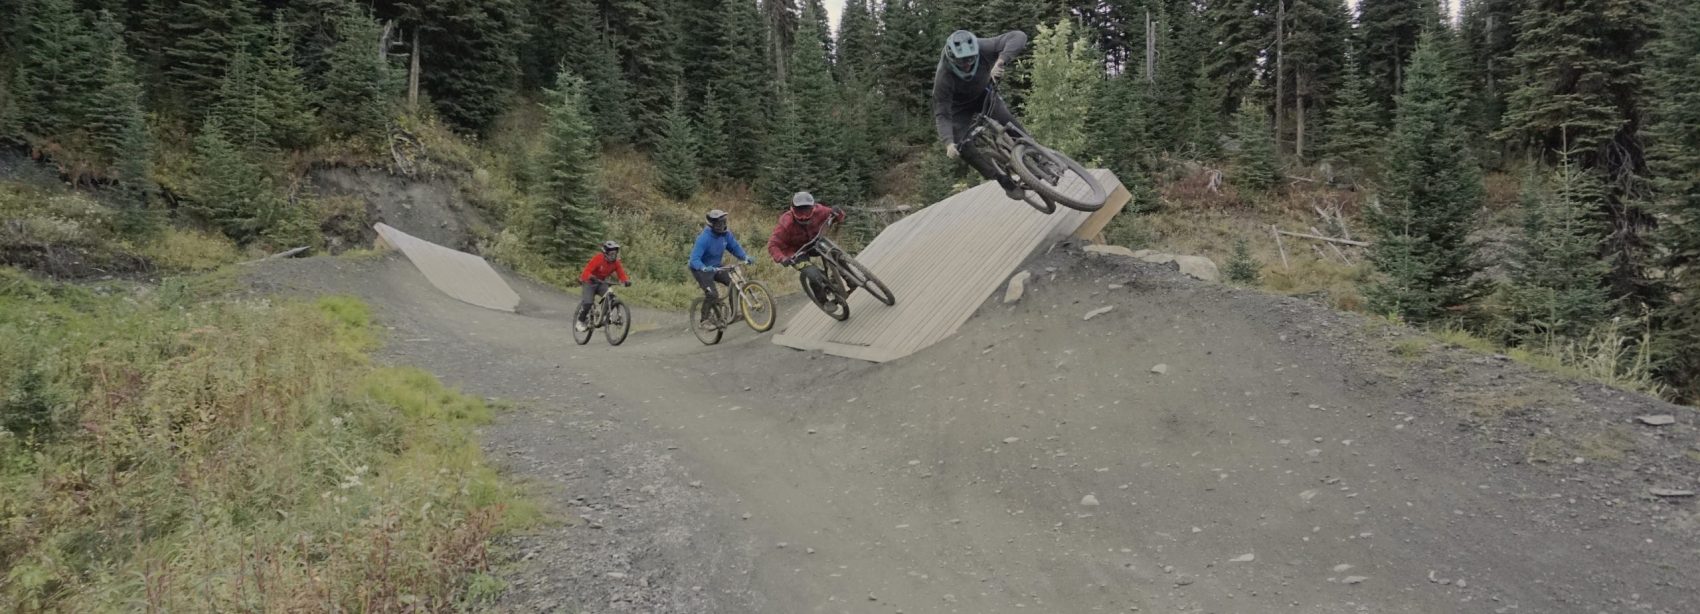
pixel 1197 448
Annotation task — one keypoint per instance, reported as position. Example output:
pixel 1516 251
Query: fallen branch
pixel 283 254
pixel 1280 246
pixel 1320 238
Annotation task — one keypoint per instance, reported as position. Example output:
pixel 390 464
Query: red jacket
pixel 600 268
pixel 791 233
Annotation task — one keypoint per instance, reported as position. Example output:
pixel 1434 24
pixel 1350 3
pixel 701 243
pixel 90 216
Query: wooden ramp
pixel 458 274
pixel 942 263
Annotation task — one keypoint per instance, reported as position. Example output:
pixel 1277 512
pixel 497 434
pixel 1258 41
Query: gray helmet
pixel 962 53
pixel 717 221
pixel 611 250
pixel 802 200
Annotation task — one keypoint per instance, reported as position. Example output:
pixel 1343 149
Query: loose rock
pixel 1670 492
pixel 1244 558
pixel 1089 501
pixel 1017 287
pixel 1354 579
pixel 1658 420
pixel 1099 311
pixel 1161 369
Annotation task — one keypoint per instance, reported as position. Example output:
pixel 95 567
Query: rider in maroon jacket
pixel 799 226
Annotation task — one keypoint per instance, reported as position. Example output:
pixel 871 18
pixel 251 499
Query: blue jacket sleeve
pixel 697 252
pixel 737 249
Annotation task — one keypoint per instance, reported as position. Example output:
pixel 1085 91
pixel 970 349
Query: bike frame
pixel 829 252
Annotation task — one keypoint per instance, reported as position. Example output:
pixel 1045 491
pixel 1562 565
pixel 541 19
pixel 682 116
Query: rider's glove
pixel 749 261
pixel 788 262
pixel 997 69
pixel 626 283
pixel 950 151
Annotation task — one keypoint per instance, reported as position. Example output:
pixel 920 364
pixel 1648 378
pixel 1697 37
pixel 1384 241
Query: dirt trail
pixel 1283 460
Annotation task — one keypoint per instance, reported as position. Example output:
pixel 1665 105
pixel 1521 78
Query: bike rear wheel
pixel 865 278
pixel 1044 171
pixel 821 294
pixel 708 335
pixel 618 323
pixel 757 306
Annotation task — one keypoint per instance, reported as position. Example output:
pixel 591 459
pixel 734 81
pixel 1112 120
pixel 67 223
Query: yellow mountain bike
pixel 745 297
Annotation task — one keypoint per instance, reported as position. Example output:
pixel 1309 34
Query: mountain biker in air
pixel 603 265
pixel 960 90
pixel 716 239
pixel 797 227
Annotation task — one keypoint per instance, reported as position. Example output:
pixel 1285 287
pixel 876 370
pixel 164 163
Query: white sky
pixel 836 7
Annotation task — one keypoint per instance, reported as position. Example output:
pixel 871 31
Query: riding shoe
pixel 579 326
pixel 1010 189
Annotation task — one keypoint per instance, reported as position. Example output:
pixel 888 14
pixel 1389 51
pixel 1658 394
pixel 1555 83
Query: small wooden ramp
pixel 942 263
pixel 460 275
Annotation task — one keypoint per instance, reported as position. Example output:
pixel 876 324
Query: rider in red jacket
pixel 799 226
pixel 603 265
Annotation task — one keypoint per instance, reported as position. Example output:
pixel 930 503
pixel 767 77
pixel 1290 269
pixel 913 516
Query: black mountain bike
pixel 1038 169
pixel 746 297
pixel 611 315
pixel 829 285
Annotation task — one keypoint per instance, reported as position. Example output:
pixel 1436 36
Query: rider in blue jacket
pixel 716 239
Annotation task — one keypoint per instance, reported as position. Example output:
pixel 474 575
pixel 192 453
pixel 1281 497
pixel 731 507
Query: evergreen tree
pixel 198 39
pixel 1674 157
pixel 608 94
pixel 1065 73
pixel 939 176
pixel 228 189
pixel 284 86
pixel 1182 44
pixel 1579 90
pixel 242 107
pixel 469 56
pixel 565 223
pixel 1254 164
pixel 1246 31
pixel 648 43
pixel 677 155
pixel 1555 291
pixel 788 166
pixel 1354 137
pixel 1387 35
pixel 910 49
pixel 120 126
pixel 559 33
pixel 739 71
pixel 56 61
pixel 356 101
pixel 1201 124
pixel 1119 131
pixel 1316 50
pixel 1429 201
pixel 713 146
pixel 816 100
pixel 1242 267
pixel 1489 32
pixel 858 41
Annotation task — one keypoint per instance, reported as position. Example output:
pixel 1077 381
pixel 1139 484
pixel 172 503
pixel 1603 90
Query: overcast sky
pixel 835 7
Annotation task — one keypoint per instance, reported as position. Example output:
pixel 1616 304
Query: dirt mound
pixel 431 209
pixel 1195 447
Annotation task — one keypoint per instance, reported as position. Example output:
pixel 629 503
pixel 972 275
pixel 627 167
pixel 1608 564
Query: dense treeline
pixel 1593 101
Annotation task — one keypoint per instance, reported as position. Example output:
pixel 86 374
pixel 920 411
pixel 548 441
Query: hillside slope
pixel 1036 462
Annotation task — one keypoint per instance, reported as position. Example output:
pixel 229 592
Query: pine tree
pixel 815 97
pixel 608 94
pixel 1387 35
pixel 1354 136
pixel 1201 124
pixel 1431 195
pixel 1119 127
pixel 1316 54
pixel 939 176
pixel 740 71
pixel 119 126
pixel 1489 32
pixel 677 154
pixel 242 108
pixel 788 166
pixel 1065 74
pixel 565 223
pixel 1579 90
pixel 57 58
pixel 198 39
pixel 228 189
pixel 713 146
pixel 559 32
pixel 469 56
pixel 1555 291
pixel 1181 48
pixel 1242 267
pixel 648 42
pixel 357 97
pixel 1674 158
pixel 1246 30
pixel 1254 163
pixel 858 41
pixel 910 48
pixel 292 123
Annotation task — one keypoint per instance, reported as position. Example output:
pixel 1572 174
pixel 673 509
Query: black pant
pixel 707 279
pixel 970 153
pixel 592 289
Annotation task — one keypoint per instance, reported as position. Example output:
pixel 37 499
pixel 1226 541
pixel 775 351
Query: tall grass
pixel 230 456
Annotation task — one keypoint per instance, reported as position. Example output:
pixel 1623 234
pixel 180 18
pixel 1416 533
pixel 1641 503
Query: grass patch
pixel 189 251
pixel 187 454
pixel 1411 348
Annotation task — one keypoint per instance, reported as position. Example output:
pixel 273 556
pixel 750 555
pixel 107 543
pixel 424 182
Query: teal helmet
pixel 962 53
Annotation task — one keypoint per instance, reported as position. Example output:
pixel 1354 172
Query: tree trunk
pixel 1150 49
pixel 413 73
pixel 1280 69
pixel 1302 94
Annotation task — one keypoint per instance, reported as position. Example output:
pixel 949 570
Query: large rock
pixel 1198 267
pixel 1110 250
pixel 1017 287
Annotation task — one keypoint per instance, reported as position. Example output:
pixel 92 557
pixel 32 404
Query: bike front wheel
pixel 868 281
pixel 1045 170
pixel 618 323
pixel 583 336
pixel 816 287
pixel 757 306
